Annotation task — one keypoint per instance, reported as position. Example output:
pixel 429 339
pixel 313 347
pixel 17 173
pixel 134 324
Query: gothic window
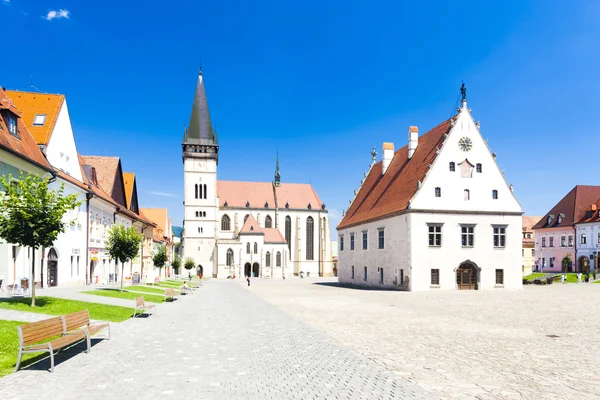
pixel 278 259
pixel 200 192
pixel 225 223
pixel 288 232
pixel 205 190
pixel 248 248
pixel 230 257
pixel 268 259
pixel 268 222
pixel 246 217
pixel 310 237
pixel 255 248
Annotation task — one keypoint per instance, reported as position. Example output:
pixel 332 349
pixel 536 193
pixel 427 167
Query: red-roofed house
pixel 435 214
pixel 217 211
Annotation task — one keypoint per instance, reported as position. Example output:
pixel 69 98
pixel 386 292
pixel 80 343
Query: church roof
pixel 25 146
pixel 273 235
pixel 571 208
pixel 251 226
pixel 32 104
pixel 200 130
pixel 265 195
pixel 387 194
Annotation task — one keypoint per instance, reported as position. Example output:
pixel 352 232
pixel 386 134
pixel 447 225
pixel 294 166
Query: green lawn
pixel 146 289
pixel 534 276
pixel 56 306
pixel 152 298
pixel 9 347
pixel 571 278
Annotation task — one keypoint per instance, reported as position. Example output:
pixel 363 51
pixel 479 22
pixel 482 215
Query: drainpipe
pixel 143 245
pixel 88 270
pixel 117 210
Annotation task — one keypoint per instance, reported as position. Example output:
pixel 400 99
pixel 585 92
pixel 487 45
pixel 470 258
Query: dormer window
pixel 39 120
pixel 11 124
pixel 550 218
pixel 588 214
pixel 561 216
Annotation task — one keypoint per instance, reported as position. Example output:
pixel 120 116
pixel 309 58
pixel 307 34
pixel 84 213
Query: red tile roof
pixel 25 146
pixel 110 176
pixel 388 194
pixel 251 226
pixel 571 208
pixel 32 104
pixel 236 194
pixel 273 235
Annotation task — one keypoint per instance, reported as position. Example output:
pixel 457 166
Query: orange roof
pixel 273 235
pixel 32 104
pixel 158 216
pixel 25 146
pixel 388 194
pixel 251 226
pixel 128 181
pixel 264 195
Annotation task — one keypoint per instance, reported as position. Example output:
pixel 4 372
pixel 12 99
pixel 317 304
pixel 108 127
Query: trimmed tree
pixel 176 264
pixel 123 244
pixel 31 214
pixel 189 263
pixel 160 257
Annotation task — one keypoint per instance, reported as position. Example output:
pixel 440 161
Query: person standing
pixel 248 279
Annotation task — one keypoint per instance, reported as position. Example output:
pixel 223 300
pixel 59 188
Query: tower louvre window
pixel 205 190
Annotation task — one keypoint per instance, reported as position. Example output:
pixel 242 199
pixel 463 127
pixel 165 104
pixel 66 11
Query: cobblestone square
pixel 468 344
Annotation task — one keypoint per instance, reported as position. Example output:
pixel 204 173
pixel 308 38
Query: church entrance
pixel 247 269
pixel 255 270
pixel 466 276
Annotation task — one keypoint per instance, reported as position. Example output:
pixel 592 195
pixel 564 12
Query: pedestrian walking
pixel 248 279
pixel 579 277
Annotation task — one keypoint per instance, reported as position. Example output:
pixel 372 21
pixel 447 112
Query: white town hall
pixel 262 229
pixel 437 214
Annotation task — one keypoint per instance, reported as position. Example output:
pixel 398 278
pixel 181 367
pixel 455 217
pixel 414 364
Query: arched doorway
pixel 52 267
pixel 247 269
pixel 255 272
pixel 584 265
pixel 466 276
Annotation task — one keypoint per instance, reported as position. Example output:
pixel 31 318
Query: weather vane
pixel 463 91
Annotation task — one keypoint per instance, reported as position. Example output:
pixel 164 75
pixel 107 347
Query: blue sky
pixel 322 82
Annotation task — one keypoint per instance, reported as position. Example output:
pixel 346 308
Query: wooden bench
pixel 30 336
pixel 170 294
pixel 142 306
pixel 80 322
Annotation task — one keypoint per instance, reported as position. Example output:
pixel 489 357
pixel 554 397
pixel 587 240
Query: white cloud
pixel 163 194
pixel 53 14
pixel 6 2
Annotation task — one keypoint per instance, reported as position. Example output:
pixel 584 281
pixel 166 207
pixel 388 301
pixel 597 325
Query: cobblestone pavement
pixel 458 345
pixel 222 342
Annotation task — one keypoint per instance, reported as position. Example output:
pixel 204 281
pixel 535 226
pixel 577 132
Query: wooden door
pixel 52 273
pixel 466 278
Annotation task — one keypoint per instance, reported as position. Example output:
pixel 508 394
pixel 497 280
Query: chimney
pixel 388 155
pixel 413 140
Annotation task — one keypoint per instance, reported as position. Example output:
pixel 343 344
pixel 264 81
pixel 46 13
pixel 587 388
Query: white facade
pixel 587 252
pixel 474 196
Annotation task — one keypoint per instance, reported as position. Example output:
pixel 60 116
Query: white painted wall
pixel 592 245
pixel 62 151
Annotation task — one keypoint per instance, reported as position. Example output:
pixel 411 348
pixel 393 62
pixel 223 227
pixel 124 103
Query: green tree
pixel 123 244
pixel 189 263
pixel 31 214
pixel 160 257
pixel 176 264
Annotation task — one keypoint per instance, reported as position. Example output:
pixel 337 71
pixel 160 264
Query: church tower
pixel 200 152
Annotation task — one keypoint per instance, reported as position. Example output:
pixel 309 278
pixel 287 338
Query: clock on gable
pixel 465 144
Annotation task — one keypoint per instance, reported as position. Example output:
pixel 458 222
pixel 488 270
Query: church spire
pixel 277 181
pixel 200 130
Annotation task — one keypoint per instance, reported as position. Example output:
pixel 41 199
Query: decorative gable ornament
pixel 225 204
pixel 287 205
pixel 251 227
pixel 266 204
pixel 466 169
pixel 323 206
pixel 309 206
pixel 247 204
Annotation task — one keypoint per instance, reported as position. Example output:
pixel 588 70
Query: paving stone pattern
pixel 223 342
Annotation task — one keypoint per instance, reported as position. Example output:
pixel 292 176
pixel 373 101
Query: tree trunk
pixel 32 283
pixel 122 271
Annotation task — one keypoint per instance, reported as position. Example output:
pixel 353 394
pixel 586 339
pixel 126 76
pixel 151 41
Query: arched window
pixel 200 192
pixel 288 232
pixel 196 195
pixel 268 222
pixel 278 259
pixel 230 258
pixel 268 259
pixel 225 223
pixel 248 248
pixel 310 237
pixel 255 248
pixel 246 217
pixel 205 190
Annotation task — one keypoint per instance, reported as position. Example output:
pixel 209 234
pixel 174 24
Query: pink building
pixel 555 235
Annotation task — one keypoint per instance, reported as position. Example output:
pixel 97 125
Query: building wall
pixel 592 246
pixel 556 251
pixel 61 151
pixel 528 259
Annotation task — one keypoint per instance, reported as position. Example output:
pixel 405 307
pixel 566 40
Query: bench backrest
pixel 139 301
pixel 39 331
pixel 76 320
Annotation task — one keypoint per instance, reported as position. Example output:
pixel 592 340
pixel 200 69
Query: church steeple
pixel 200 129
pixel 277 181
pixel 200 139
